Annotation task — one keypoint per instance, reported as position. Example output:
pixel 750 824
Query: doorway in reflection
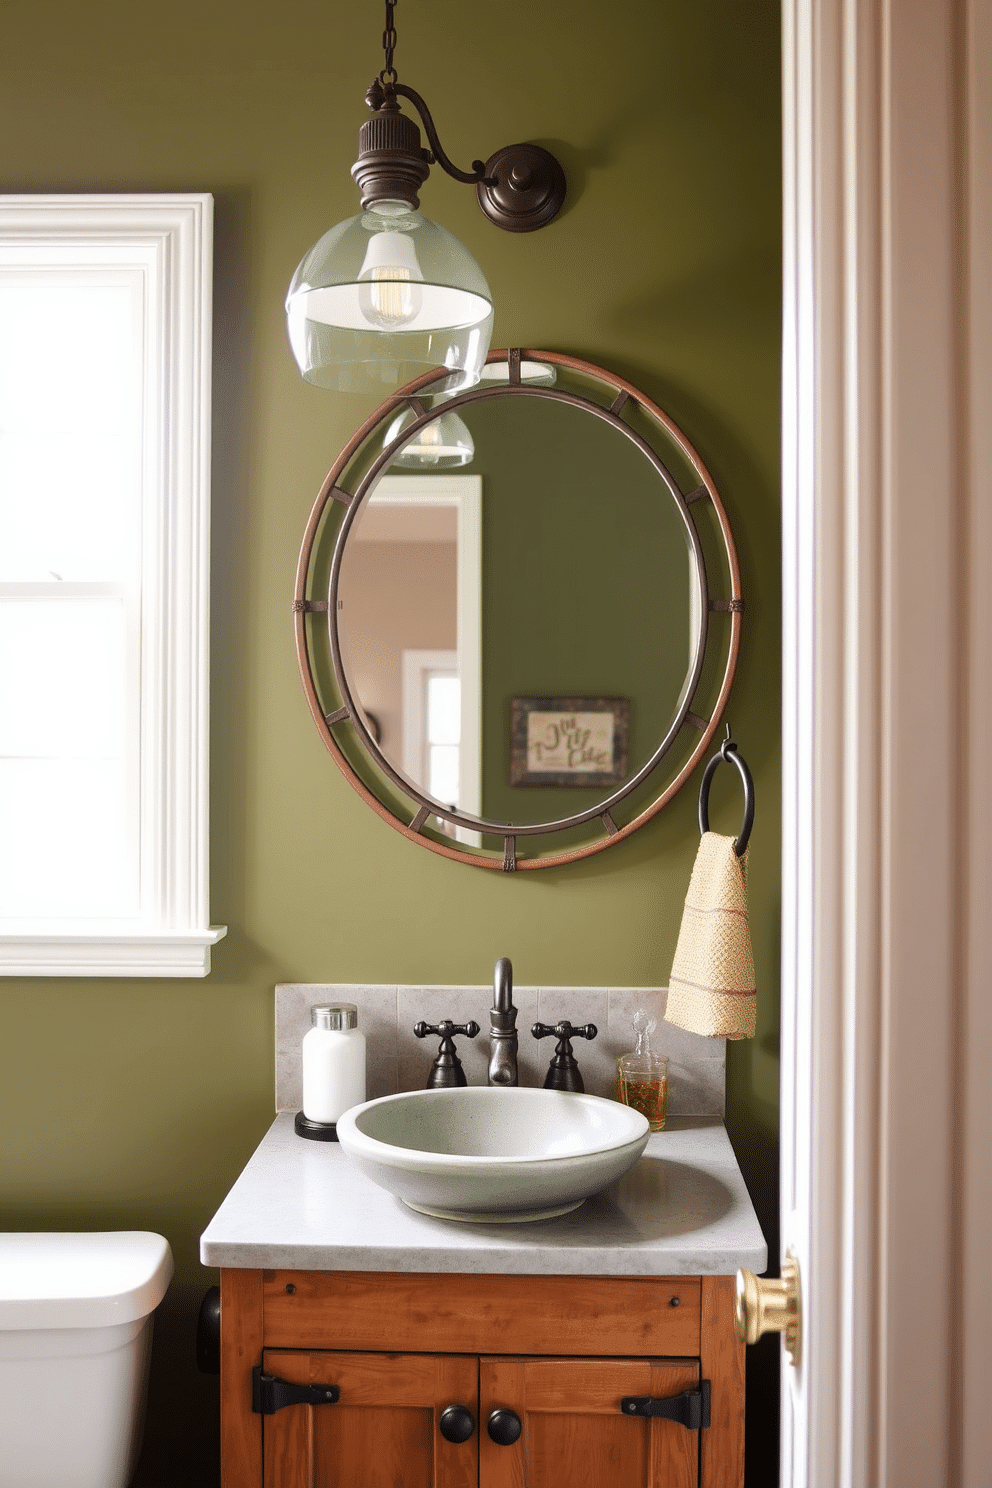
pixel 410 626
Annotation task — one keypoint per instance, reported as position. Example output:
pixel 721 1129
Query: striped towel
pixel 711 989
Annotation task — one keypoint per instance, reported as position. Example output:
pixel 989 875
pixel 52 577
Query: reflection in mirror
pixel 587 585
pixel 409 620
pixel 546 638
pixel 443 444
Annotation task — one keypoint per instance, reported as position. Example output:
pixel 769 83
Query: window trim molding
pixel 415 661
pixel 170 237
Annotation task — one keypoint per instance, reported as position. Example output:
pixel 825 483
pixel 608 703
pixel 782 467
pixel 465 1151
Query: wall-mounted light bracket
pixel 520 188
pixel 524 189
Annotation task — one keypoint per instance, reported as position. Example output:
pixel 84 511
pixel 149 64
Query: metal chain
pixel 389 73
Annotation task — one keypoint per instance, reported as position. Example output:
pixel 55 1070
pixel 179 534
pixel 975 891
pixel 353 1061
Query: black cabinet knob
pixel 504 1427
pixel 456 1423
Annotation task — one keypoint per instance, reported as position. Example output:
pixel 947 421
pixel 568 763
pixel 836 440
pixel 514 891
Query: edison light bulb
pixel 389 293
pixel 431 445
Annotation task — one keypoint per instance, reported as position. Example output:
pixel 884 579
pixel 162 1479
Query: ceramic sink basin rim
pixel 486 1154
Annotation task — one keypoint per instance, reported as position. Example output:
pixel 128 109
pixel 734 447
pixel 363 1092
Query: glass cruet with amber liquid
pixel 642 1075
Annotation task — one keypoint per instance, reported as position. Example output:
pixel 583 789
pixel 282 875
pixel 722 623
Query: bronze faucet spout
pixel 502 1027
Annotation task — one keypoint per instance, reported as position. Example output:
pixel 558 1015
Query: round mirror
pixel 518 612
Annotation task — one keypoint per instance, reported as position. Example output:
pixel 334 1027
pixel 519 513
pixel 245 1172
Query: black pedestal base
pixel 317 1131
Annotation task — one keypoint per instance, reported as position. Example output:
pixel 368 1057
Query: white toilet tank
pixel 75 1342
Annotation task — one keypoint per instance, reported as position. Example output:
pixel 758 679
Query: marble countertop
pixel 682 1210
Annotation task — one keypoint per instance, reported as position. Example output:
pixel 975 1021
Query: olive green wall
pixel 585 581
pixel 136 1103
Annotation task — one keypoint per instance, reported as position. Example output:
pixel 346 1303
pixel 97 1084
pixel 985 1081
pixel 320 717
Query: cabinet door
pixel 573 1432
pixel 383 1432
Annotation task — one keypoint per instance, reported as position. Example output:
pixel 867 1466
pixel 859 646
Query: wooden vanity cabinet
pixel 560 1353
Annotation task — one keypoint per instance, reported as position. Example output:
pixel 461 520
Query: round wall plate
pixel 528 188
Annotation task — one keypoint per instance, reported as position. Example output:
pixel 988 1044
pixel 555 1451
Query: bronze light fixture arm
pixel 376 98
pixel 520 188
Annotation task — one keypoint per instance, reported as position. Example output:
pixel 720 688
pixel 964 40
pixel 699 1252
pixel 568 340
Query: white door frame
pixel 887 708
pixel 463 494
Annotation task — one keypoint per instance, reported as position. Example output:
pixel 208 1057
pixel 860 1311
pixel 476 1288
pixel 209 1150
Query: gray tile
pixel 531 1063
pixel 624 1003
pixel 292 1010
pixel 666 1039
pixel 376 1019
pixel 697 1089
pixel 579 1005
pixel 396 1060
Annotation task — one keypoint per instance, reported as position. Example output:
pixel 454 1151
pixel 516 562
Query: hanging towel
pixel 711 989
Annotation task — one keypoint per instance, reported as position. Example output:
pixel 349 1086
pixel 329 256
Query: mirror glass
pixel 519 642
pixel 582 586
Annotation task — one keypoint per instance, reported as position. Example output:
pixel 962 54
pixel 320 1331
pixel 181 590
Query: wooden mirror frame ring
pixel 732 606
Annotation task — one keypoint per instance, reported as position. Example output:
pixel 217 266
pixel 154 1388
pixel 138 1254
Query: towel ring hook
pixel 728 753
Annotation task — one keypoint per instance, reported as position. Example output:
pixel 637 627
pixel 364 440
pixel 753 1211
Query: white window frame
pixel 168 239
pixel 416 669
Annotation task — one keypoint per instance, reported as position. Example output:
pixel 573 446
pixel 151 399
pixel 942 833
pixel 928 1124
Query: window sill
pixel 108 952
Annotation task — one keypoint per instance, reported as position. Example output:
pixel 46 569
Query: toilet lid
pixel 74 1280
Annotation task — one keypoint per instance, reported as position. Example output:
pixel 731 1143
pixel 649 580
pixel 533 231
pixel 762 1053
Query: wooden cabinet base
pixel 557 1355
pixel 384 1429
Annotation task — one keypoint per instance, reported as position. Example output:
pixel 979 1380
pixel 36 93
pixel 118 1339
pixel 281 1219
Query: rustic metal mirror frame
pixel 315 619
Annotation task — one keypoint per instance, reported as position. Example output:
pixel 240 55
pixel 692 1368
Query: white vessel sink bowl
pixel 486 1154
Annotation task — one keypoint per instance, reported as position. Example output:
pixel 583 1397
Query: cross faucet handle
pixel 563 1073
pixel 564 1030
pixel 446 1071
pixel 446 1029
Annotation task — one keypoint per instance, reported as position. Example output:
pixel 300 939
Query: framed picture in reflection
pixel 563 741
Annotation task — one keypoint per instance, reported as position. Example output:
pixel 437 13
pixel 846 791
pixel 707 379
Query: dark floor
pixel 761 1422
pixel 182 1428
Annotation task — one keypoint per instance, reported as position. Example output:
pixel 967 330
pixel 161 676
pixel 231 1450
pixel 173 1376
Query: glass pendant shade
pixel 383 298
pixel 443 444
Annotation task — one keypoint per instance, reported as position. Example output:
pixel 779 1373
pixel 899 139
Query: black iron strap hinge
pixel 269 1394
pixel 690 1409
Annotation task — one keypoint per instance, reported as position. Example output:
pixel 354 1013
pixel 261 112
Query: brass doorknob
pixel 766 1305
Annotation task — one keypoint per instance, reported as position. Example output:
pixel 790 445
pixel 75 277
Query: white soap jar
pixel 333 1066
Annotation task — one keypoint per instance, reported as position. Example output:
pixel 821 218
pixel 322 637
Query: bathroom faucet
pixel 502 1032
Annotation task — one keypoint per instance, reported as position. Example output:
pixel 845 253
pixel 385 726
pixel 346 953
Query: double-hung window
pixel 104 565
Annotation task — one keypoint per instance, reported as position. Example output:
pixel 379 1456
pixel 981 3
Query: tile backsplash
pixel 398 1060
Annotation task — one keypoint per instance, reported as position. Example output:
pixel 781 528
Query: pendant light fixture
pixel 446 441
pixel 389 295
pixel 443 444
